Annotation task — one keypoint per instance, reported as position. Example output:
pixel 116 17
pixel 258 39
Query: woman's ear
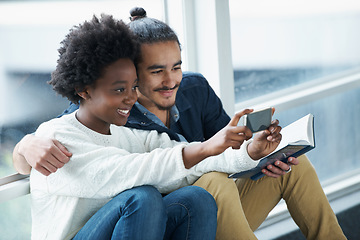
pixel 83 93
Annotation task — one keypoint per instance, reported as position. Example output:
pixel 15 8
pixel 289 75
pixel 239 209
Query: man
pixel 197 115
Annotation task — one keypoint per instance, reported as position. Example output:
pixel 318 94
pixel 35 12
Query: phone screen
pixel 259 120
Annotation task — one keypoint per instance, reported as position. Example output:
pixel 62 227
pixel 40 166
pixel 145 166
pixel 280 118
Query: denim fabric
pixel 142 213
pixel 137 213
pixel 200 110
pixel 192 214
pixel 174 117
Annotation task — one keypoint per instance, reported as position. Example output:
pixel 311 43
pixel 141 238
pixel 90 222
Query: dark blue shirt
pixel 201 113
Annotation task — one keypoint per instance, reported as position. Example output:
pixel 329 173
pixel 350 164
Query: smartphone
pixel 258 120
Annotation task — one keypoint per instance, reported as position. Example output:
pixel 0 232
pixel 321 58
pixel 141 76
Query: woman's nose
pixel 131 98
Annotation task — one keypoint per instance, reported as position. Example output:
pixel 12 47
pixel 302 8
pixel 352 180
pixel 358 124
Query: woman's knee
pixel 202 211
pixel 198 201
pixel 205 202
pixel 192 211
pixel 147 200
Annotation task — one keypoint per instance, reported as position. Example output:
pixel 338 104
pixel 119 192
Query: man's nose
pixel 169 80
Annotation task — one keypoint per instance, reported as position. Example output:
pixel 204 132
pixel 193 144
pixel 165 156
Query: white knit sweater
pixel 104 165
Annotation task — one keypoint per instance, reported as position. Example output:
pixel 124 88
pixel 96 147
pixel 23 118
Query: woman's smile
pixel 124 112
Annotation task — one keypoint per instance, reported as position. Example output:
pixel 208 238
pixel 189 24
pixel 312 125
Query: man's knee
pixel 304 166
pixel 217 184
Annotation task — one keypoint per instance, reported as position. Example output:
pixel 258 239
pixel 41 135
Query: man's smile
pixel 166 92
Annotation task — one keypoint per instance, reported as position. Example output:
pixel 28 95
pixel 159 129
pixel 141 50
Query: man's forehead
pixel 160 48
pixel 159 55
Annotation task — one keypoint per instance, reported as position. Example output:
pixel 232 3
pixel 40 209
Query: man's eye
pixel 156 72
pixel 120 89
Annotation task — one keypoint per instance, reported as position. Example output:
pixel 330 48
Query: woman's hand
pixel 231 135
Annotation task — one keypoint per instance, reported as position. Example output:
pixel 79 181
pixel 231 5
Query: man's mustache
pixel 166 88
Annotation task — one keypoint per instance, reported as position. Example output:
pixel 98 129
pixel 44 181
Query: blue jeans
pixel 142 213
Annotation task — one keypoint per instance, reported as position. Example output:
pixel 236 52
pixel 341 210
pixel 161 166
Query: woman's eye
pixel 135 87
pixel 120 90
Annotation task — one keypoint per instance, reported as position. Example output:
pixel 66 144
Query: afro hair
pixel 89 48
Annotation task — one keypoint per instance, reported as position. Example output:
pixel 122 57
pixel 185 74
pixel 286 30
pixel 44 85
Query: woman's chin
pixel 121 122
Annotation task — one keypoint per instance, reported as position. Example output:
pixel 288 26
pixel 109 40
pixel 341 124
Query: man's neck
pixel 163 115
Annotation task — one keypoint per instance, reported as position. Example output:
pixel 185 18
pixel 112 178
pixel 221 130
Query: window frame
pixel 339 189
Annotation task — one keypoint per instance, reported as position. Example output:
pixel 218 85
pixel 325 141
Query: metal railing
pixel 14 186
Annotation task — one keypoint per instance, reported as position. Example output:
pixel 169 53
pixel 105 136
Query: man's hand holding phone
pixel 266 140
pixel 269 135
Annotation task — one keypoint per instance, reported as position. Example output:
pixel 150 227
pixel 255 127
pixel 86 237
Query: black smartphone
pixel 259 120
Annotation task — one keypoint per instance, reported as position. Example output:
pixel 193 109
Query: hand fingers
pixel 53 159
pixel 274 137
pixel 274 127
pixel 270 173
pixel 276 169
pixel 243 131
pixel 43 171
pixel 273 132
pixel 45 168
pixel 282 166
pixel 272 111
pixel 58 157
pixel 62 148
pixel 235 119
pixel 49 162
pixel 293 161
pixel 236 144
pixel 235 138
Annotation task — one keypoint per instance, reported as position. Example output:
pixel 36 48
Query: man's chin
pixel 164 107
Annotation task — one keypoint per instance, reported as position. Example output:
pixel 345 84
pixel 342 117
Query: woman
pixel 91 194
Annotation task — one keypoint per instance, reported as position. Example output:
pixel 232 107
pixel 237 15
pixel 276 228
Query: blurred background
pixel 298 56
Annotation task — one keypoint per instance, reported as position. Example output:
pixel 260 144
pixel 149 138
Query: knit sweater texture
pixel 103 166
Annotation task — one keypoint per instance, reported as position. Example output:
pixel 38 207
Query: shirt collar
pixel 174 114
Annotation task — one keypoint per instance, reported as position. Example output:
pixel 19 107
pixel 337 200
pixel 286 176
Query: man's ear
pixel 83 93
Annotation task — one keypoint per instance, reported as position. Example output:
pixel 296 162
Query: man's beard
pixel 162 108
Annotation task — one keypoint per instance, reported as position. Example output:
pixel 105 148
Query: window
pixel 31 32
pixel 278 44
pixel 282 47
pixel 15 218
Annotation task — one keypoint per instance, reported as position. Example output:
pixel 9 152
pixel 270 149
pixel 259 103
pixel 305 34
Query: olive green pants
pixel 244 204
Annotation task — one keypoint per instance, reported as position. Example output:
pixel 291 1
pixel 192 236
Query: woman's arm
pixel 99 170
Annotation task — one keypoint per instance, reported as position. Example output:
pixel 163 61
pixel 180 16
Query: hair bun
pixel 137 12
